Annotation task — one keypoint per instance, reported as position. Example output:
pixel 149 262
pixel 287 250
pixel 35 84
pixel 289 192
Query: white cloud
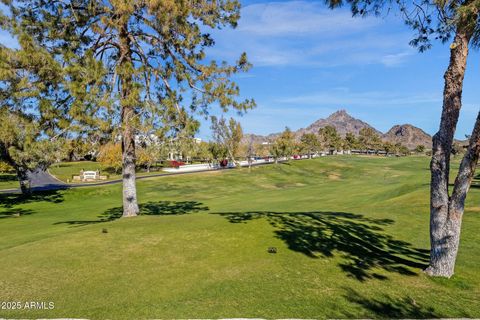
pixel 344 97
pixel 391 60
pixel 300 33
pixel 298 17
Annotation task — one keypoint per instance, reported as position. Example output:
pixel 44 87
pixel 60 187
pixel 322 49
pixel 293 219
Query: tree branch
pixel 467 170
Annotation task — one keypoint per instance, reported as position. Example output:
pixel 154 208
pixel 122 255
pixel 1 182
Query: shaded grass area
pixel 8 181
pixel 358 239
pixel 147 209
pixel 351 235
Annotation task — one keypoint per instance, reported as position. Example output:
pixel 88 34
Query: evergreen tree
pixel 330 139
pixel 142 55
pixel 284 145
pixel 218 151
pixel 32 121
pixel 310 143
pixel 369 139
pixel 350 142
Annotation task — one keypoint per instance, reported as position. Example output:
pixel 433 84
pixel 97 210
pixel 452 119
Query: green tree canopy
pixel 283 146
pixel 32 121
pixel 133 61
pixel 310 143
pixel 228 134
pixel 329 137
pixel 369 139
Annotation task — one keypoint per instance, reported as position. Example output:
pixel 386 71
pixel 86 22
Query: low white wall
pixel 191 167
pixel 208 166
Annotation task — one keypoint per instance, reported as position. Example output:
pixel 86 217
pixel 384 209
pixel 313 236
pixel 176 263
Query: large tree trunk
pixel 445 212
pixel 130 203
pixel 24 180
pixel 22 173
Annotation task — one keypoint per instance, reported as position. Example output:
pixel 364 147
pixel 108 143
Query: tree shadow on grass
pixel 387 307
pixel 15 213
pixel 158 208
pixel 8 177
pixel 360 241
pixel 9 202
pixel 476 182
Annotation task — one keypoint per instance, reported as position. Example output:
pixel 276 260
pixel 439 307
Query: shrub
pixel 175 163
pixel 5 167
pixel 110 156
pixel 224 163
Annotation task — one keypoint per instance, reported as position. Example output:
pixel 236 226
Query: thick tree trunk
pixel 130 203
pixel 24 180
pixel 445 215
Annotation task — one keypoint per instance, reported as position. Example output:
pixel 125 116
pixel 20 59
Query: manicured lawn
pixel 65 170
pixel 351 235
pixel 8 181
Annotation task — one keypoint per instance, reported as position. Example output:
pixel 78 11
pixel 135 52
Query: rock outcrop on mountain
pixel 341 121
pixel 409 136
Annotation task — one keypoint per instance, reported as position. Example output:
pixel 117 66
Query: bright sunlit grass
pixel 351 235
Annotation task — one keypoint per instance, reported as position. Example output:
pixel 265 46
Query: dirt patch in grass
pixel 473 209
pixel 334 176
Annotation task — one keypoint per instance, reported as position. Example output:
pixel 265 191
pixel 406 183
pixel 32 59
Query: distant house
pixel 175 154
pixel 146 139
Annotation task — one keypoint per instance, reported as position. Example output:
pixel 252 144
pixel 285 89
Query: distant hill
pixel 255 138
pixel 341 121
pixel 406 134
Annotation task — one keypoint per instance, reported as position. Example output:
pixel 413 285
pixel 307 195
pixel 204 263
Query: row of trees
pixel 229 143
pixel 328 140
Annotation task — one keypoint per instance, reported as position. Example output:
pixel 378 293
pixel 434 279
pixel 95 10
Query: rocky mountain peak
pixel 344 123
pixel 340 115
pixel 408 135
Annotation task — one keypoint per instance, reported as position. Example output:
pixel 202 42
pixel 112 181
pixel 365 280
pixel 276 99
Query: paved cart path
pixel 44 181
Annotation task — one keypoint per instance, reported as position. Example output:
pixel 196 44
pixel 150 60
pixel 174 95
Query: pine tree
pixel 310 143
pixel 32 121
pixel 330 138
pixel 152 51
pixel 369 139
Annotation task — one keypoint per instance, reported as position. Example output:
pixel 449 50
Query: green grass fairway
pixel 65 170
pixel 351 235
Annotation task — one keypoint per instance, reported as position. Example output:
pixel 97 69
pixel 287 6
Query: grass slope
pixel 66 170
pixel 351 233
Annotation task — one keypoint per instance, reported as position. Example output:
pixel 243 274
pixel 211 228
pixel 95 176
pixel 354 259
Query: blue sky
pixel 310 61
